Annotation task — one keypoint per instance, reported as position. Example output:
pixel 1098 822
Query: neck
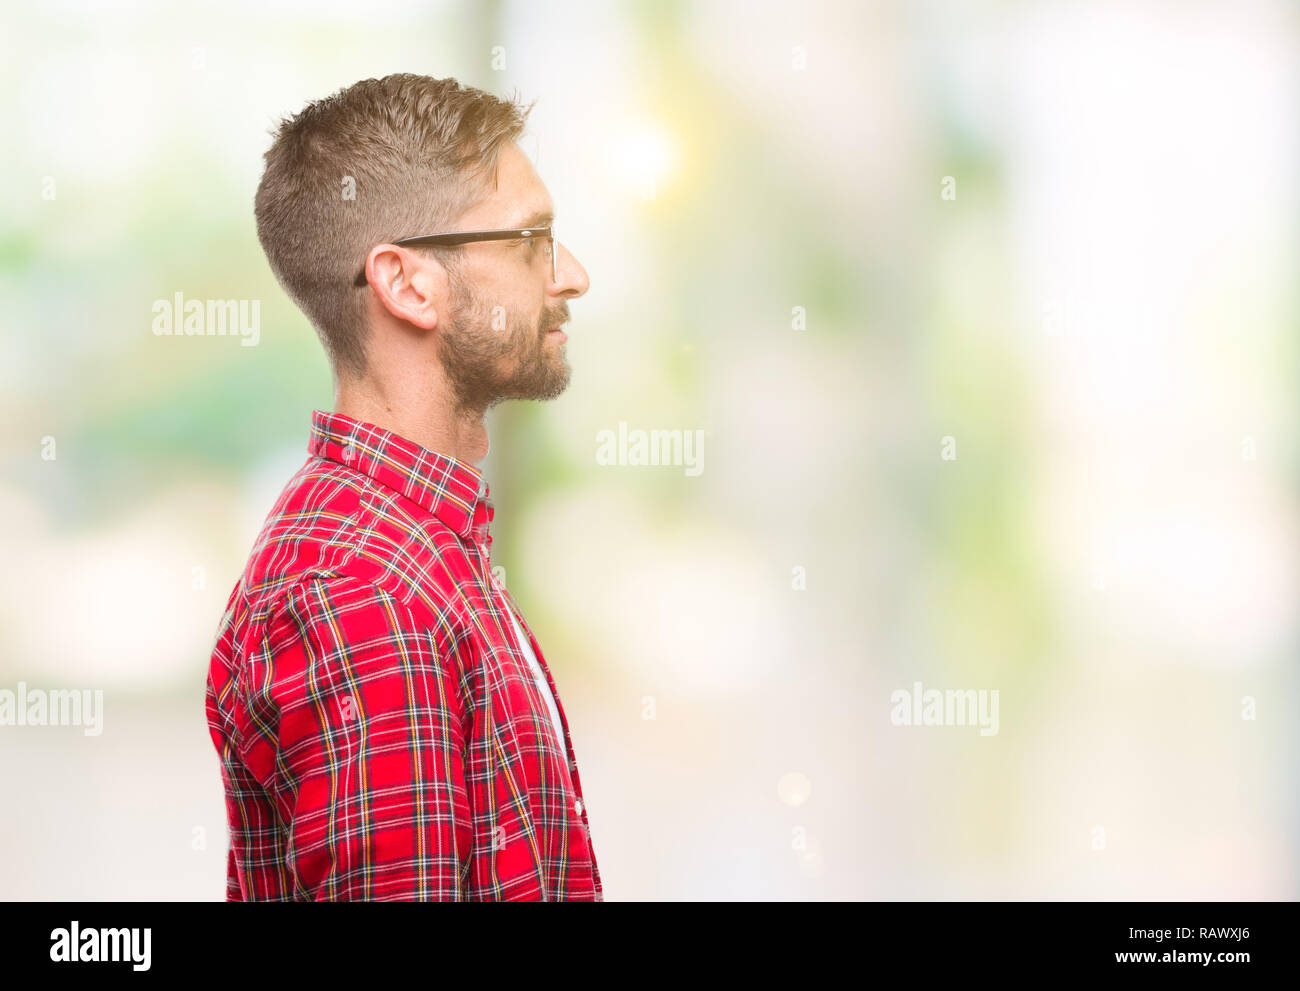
pixel 417 409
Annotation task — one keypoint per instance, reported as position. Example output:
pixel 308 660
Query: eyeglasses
pixel 544 234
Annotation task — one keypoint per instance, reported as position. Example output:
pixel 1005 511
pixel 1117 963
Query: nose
pixel 570 277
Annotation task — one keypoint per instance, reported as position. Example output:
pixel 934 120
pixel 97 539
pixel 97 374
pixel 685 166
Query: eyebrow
pixel 539 219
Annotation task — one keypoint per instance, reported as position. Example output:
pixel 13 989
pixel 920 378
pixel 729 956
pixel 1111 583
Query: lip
pixel 557 330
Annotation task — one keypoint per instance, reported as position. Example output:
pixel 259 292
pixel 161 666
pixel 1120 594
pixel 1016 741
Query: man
pixel 387 726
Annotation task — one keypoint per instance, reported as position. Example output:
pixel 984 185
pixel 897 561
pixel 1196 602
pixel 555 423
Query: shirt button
pixel 577 806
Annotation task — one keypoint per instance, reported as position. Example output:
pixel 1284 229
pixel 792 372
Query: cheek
pixel 537 316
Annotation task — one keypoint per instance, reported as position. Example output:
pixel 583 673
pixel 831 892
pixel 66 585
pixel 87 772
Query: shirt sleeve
pixel 351 723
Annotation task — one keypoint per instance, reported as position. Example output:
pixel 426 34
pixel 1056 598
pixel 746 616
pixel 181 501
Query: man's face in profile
pixel 500 340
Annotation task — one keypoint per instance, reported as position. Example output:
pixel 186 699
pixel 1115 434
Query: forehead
pixel 520 194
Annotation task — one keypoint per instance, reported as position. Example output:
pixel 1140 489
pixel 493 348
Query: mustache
pixel 555 319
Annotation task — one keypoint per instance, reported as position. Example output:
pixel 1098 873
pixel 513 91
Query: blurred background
pixel 987 312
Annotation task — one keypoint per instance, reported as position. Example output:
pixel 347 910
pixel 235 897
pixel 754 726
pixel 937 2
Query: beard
pixel 487 363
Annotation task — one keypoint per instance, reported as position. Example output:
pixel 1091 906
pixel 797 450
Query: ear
pixel 407 285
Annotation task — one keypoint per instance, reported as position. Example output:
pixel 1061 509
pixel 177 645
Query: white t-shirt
pixel 540 679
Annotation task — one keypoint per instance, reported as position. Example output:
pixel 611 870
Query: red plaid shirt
pixel 380 733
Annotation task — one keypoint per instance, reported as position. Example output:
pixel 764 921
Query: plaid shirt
pixel 381 736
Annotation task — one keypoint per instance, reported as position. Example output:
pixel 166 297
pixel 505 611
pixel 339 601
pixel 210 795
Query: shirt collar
pixel 452 490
